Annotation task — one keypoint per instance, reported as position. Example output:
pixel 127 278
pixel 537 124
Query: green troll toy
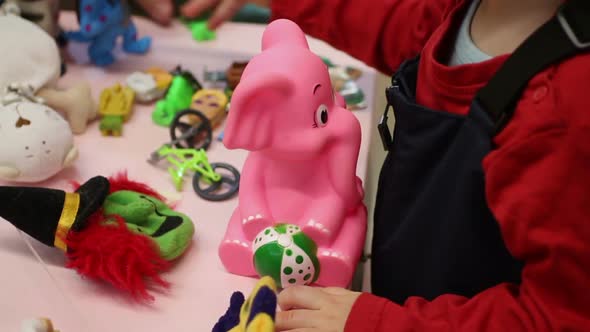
pixel 115 230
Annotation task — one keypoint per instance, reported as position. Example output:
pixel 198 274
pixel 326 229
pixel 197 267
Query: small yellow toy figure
pixel 212 104
pixel 256 314
pixel 115 108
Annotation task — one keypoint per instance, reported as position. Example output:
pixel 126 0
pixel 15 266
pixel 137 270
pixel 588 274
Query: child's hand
pixel 161 11
pixel 224 9
pixel 314 309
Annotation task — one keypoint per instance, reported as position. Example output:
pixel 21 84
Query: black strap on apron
pixel 563 36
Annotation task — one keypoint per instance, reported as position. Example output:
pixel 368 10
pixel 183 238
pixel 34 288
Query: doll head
pixel 35 142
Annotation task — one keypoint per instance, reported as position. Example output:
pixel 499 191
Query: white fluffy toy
pixel 35 141
pixel 30 57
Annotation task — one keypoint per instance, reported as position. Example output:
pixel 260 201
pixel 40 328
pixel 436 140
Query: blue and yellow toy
pixel 101 23
pixel 256 314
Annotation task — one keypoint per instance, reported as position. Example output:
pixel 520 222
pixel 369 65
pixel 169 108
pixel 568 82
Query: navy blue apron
pixel 434 233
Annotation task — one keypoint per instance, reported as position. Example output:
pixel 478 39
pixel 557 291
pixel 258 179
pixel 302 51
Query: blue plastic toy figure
pixel 101 23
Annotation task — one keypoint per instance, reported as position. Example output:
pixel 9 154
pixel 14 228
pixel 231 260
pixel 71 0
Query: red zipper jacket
pixel 537 179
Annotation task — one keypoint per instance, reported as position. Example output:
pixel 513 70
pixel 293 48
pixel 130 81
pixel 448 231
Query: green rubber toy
pixel 170 230
pixel 178 98
pixel 200 31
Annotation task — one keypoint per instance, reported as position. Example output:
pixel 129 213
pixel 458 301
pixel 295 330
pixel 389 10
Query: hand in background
pixel 223 9
pixel 162 11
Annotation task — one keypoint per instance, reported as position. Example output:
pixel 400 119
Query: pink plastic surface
pixel 201 287
pixel 301 168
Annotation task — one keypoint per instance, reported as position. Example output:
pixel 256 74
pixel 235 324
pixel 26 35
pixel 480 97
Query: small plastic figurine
pixel 145 87
pixel 116 106
pixel 301 167
pixel 200 31
pixel 214 78
pixel 212 103
pixel 234 74
pixel 256 314
pixel 114 230
pixel 163 77
pixel 178 97
pixel 149 85
pixel 35 142
pixel 101 23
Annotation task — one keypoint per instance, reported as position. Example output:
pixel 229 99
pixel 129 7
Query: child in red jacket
pixel 482 219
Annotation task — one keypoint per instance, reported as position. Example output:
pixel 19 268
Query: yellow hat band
pixel 68 216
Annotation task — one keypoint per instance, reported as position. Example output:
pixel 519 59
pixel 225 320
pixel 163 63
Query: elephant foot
pixel 336 269
pixel 236 256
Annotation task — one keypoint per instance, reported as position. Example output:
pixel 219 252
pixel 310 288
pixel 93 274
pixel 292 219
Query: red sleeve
pixel 381 33
pixel 539 190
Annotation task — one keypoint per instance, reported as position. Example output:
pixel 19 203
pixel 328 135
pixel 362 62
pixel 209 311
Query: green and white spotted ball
pixel 284 253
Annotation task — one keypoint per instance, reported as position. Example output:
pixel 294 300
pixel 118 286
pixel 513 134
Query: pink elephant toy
pixel 301 168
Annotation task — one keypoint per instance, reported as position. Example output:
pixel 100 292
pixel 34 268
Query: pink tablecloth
pixel 200 287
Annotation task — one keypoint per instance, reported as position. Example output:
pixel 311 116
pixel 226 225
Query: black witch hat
pixel 48 215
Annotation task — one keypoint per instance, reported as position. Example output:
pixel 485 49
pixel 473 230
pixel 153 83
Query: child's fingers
pixel 301 297
pixel 194 8
pixel 296 319
pixel 160 10
pixel 224 12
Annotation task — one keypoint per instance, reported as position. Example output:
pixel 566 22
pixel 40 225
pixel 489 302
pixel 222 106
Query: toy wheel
pixel 191 129
pixel 224 189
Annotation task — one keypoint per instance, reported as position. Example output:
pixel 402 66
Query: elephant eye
pixel 321 116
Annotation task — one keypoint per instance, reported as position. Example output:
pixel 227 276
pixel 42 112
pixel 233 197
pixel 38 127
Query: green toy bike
pixel 211 181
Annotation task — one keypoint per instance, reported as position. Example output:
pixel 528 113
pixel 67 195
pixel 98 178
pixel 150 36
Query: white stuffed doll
pixel 35 141
pixel 44 13
pixel 30 57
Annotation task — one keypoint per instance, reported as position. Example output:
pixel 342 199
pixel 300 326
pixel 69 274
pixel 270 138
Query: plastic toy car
pixel 115 108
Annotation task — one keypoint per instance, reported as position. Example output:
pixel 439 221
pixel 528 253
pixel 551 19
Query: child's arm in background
pixel 381 33
pixel 538 191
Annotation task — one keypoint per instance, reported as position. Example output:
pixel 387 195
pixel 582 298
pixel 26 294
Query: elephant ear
pixel 256 104
pixel 283 32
